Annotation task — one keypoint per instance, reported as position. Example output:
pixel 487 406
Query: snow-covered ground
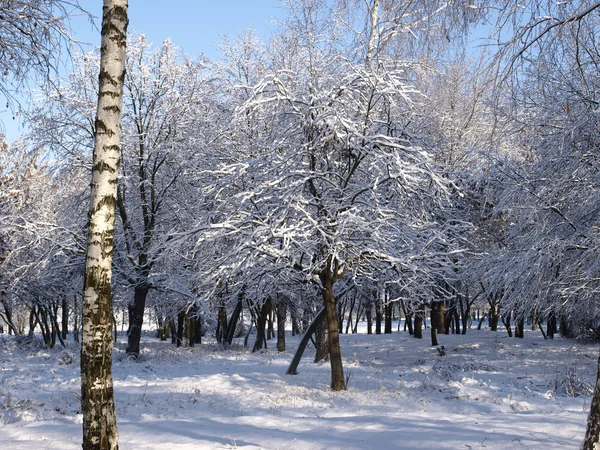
pixel 489 391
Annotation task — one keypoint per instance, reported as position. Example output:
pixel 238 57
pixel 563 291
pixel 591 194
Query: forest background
pixel 362 160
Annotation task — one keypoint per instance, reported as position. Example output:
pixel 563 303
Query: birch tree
pixel 99 417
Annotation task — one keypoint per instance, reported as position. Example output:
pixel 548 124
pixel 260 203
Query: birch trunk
pixel 592 435
pixel 97 401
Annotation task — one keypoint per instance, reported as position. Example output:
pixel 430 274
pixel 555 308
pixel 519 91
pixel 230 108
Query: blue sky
pixel 194 25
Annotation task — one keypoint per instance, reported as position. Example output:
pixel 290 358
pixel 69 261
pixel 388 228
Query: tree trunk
pixel 281 318
pixel 481 319
pixel 161 330
pixel 338 383
pixel 435 319
pixel 75 319
pixel 418 331
pixel 592 434
pixel 64 321
pixel 136 318
pixel 349 322
pixel 408 318
pixel 493 317
pixel 322 342
pixel 97 399
pixel 358 317
pixel 232 324
pixel 465 313
pixel 270 327
pixel 173 330
pixel 551 325
pixel 520 327
pixel 261 323
pixel 506 322
pixel 341 312
pixel 221 332
pixel 378 316
pixel 456 320
pixel 189 329
pixel 369 314
pixel 388 318
pixel 197 324
pixel 310 330
pixel 180 325
pixel 8 314
pixel 33 321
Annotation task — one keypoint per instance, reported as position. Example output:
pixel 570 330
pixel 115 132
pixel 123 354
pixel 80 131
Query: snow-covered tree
pixel 167 125
pixel 331 185
pixel 33 36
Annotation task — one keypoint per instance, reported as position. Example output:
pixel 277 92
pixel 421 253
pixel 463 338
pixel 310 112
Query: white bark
pixel 99 418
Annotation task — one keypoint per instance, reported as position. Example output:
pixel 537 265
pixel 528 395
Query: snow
pixel 489 391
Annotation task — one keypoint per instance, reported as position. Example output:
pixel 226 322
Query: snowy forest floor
pixel 489 391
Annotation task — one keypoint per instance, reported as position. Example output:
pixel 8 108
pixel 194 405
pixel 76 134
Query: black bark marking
pixel 109 201
pixel 103 129
pixel 101 166
pixel 114 108
pixel 106 77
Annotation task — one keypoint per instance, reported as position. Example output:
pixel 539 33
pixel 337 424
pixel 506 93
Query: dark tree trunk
pixel 465 312
pixel 456 317
pixel 180 326
pixel 281 318
pixel 295 327
pixel 310 330
pixel 341 311
pixel 75 319
pixel 418 331
pixel 338 383
pixel 481 319
pixel 506 322
pixel 520 327
pixel 388 318
pixel 407 319
pixel 321 342
pixel 378 316
pixel 369 314
pixel 189 329
pixel 161 327
pixel 233 320
pixel 493 317
pixel 438 317
pixel 358 317
pixel 8 314
pixel 173 329
pixel 551 325
pixel 136 311
pixel 542 330
pixel 65 318
pixel 565 327
pixel 435 319
pixel 261 323
pixel 197 324
pixel 221 332
pixel 349 321
pixel 33 320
